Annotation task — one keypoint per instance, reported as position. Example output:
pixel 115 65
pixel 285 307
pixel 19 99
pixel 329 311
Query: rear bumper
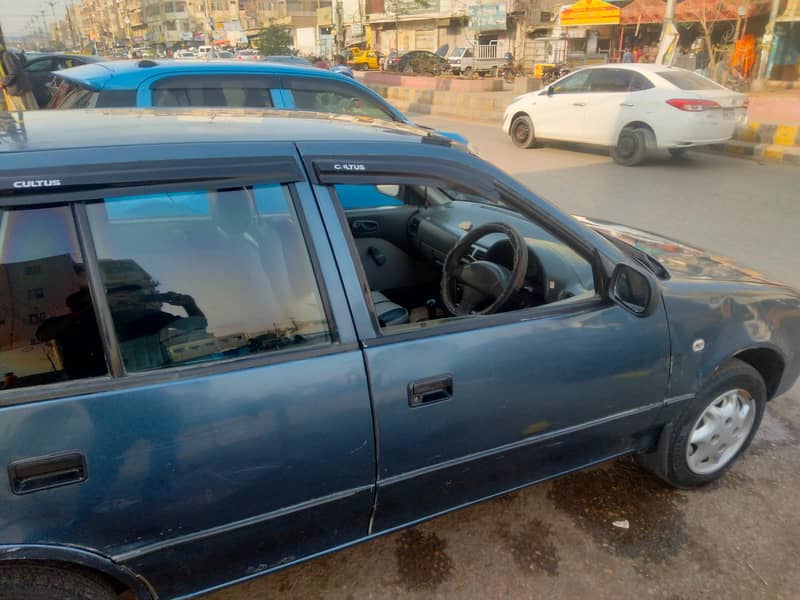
pixel 700 129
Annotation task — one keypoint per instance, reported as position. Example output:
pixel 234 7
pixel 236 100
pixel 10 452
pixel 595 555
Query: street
pixel 738 538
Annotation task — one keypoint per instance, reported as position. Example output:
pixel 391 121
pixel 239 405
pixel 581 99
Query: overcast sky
pixel 16 14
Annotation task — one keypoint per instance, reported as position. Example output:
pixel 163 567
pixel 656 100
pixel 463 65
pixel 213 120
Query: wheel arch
pixel 769 362
pixel 652 138
pixel 82 560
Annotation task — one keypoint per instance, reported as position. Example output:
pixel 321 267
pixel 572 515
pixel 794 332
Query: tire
pixel 408 70
pixel 522 132
pixel 678 152
pixel 684 467
pixel 467 72
pixel 46 582
pixel 631 148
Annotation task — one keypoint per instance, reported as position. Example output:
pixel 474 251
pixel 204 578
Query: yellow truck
pixel 360 59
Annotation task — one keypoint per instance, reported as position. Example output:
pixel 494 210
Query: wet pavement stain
pixel 532 547
pixel 422 562
pixel 622 492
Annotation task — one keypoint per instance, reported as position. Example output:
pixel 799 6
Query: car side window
pixel 208 275
pixel 40 66
pixel 572 84
pixel 610 80
pixel 48 329
pixel 416 262
pixel 217 91
pixel 639 83
pixel 319 95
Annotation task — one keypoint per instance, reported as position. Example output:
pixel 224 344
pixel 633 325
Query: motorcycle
pixel 509 71
pixel 551 74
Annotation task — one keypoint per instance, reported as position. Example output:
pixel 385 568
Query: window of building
pixel 206 276
pixel 48 330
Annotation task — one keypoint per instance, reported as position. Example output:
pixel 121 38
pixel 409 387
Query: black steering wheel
pixel 482 281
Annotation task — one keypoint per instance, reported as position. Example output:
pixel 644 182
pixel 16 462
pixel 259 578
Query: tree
pixel 396 8
pixel 276 40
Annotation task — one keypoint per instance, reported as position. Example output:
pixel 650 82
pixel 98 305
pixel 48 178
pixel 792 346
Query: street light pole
pixel 46 28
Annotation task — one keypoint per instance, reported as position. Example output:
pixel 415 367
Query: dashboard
pixel 555 271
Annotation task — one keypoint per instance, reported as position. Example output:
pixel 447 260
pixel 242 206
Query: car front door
pixel 558 111
pixel 470 407
pixel 228 429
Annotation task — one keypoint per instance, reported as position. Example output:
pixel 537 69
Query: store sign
pixel 589 12
pixel 487 17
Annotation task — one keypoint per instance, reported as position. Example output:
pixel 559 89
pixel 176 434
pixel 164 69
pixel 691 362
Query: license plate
pixel 727 113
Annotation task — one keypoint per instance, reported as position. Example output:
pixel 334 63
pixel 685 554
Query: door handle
pixel 362 226
pixel 45 472
pixel 626 103
pixel 430 390
pixel 579 104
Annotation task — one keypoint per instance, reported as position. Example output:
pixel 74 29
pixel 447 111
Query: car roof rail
pixel 146 64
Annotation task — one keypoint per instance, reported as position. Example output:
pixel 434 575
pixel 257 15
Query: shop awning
pixel 689 11
pixel 589 12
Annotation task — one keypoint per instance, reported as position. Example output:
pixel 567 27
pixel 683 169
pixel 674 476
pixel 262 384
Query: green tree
pixel 275 40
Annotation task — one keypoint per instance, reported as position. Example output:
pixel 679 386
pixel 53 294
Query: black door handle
pixel 432 389
pixel 362 226
pixel 45 472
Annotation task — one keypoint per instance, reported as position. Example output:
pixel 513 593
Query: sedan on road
pixel 630 108
pixel 418 62
pixel 40 70
pixel 258 339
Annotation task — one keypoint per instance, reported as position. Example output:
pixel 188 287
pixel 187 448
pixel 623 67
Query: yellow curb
pixel 785 135
pixel 773 153
pixel 750 133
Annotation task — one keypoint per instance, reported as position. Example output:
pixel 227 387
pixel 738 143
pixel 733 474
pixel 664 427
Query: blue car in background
pixel 232 84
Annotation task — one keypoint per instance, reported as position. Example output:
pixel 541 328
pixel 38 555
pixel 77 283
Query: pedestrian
pixel 627 57
pixel 637 54
pixel 15 82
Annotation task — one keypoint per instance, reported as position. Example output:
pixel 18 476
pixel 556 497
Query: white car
pixel 631 108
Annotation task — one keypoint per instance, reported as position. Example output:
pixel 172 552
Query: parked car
pixel 151 83
pixel 221 322
pixel 363 60
pixel 248 54
pixel 185 55
pixel 480 59
pixel 419 62
pixel 224 54
pixel 631 108
pixel 41 67
pixel 298 61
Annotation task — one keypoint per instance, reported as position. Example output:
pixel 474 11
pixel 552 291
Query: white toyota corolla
pixel 631 108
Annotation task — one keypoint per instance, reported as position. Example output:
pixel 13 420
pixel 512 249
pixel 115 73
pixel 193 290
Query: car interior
pixel 429 254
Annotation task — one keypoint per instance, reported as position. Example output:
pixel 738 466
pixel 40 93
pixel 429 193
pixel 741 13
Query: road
pixel 739 538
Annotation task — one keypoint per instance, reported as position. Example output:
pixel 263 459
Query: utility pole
pixel 68 10
pixel 766 46
pixel 668 33
pixel 46 28
pixel 210 36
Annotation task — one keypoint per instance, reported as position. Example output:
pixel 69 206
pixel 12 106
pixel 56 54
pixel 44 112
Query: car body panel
pixel 217 474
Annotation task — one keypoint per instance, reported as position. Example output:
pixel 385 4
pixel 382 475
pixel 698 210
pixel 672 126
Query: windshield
pixel 458 52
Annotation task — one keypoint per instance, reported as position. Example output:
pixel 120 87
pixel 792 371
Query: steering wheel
pixel 482 281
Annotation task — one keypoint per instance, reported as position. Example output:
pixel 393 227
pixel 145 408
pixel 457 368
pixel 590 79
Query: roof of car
pixel 129 74
pixel 50 130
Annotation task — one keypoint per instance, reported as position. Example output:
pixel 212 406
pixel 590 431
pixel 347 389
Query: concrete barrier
pixel 371 78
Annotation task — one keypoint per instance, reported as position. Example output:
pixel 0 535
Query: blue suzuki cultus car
pixel 234 341
pixel 229 84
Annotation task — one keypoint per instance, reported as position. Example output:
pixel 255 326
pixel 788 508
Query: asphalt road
pixel 739 538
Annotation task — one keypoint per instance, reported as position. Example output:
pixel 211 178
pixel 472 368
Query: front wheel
pixel 716 427
pixel 631 148
pixel 522 133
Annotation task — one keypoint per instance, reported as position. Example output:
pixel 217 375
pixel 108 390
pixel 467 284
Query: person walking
pixel 627 57
pixel 16 85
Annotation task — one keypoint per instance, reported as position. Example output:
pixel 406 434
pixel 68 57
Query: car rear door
pixel 185 391
pixel 471 407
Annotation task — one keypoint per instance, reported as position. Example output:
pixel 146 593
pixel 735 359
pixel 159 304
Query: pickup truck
pixel 475 60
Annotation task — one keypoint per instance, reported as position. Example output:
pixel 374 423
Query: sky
pixel 15 15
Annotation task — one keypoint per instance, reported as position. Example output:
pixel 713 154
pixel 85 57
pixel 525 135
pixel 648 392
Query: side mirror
pixel 633 290
pixel 550 90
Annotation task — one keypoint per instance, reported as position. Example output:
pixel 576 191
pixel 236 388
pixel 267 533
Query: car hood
pixel 680 259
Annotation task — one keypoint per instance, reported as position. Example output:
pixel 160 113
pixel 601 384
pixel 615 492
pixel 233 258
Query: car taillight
pixel 693 104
